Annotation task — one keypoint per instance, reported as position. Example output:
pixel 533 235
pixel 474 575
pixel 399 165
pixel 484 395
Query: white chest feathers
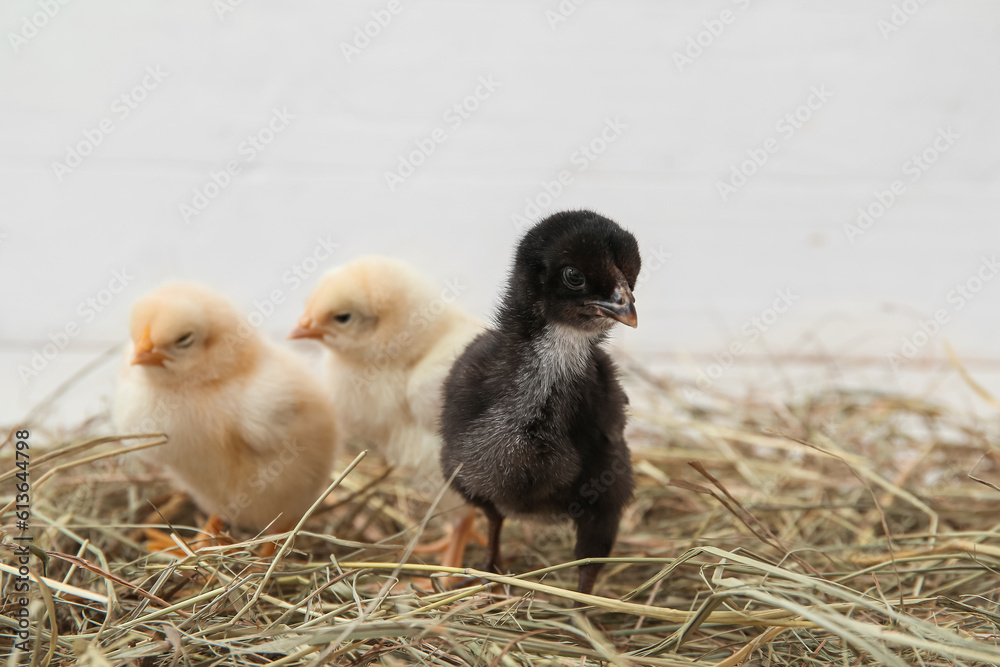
pixel 559 354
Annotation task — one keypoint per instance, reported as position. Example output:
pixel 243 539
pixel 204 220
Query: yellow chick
pixel 392 338
pixel 251 430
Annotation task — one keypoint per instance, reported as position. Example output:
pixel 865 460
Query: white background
pixel 687 125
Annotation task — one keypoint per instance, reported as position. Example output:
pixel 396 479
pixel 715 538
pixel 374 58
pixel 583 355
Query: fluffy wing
pixel 284 442
pixel 284 403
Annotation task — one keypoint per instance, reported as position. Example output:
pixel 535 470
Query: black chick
pixel 534 415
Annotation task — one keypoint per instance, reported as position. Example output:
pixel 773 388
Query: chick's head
pixel 578 269
pixel 368 306
pixel 188 333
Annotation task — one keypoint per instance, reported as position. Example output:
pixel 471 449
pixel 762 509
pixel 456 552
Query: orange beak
pixel 144 354
pixel 305 329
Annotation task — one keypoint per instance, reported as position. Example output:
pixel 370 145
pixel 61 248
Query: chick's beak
pixel 620 307
pixel 305 329
pixel 145 354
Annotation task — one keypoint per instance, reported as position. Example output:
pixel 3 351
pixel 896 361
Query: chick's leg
pixel 213 528
pixel 437 546
pixel 268 549
pixel 164 510
pixel 595 535
pixel 208 535
pixel 457 536
pixel 464 531
pixel 159 540
pixel 492 562
pixel 166 507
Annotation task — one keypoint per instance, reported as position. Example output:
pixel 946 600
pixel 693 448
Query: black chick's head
pixel 577 269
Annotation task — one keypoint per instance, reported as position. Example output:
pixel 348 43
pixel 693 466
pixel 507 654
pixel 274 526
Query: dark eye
pixel 343 318
pixel 185 340
pixel 573 278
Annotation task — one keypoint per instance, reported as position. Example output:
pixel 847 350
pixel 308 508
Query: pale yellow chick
pixel 392 338
pixel 251 430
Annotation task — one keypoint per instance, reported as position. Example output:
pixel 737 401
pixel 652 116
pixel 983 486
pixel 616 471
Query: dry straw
pixel 837 529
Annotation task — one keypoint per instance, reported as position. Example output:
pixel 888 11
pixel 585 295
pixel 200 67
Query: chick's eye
pixel 185 340
pixel 573 278
pixel 343 318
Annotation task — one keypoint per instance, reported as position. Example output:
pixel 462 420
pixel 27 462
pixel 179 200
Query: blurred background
pixel 815 186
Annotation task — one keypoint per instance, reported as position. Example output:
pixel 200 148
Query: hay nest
pixel 843 528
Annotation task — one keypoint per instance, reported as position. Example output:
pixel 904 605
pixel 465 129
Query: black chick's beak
pixel 621 307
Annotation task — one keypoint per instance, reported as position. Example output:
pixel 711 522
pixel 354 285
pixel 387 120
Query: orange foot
pixel 158 540
pixel 269 549
pixel 452 545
